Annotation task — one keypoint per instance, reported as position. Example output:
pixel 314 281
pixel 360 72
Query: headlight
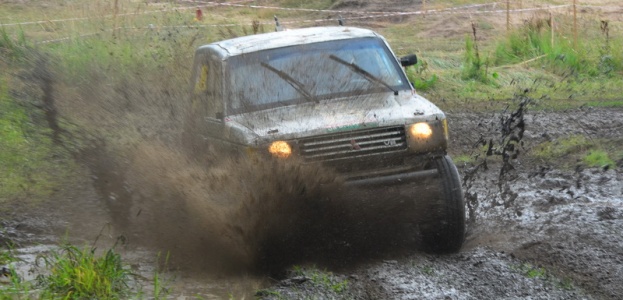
pixel 423 137
pixel 280 149
pixel 421 130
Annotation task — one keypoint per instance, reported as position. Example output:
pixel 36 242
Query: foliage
pixel 81 274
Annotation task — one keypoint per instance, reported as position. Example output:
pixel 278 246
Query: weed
pixel 416 75
pixel 562 147
pixel 340 286
pixel 532 271
pixel 323 279
pixel 463 159
pixel 474 67
pixel 17 288
pixel 80 274
pixel 7 256
pixel 536 273
pixel 298 270
pixel 578 148
pixel 559 54
pixel 13 49
pixel 598 158
pixel 160 290
pixel 427 270
pixel 566 283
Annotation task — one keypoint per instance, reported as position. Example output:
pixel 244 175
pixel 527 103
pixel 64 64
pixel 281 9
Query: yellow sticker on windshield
pixel 202 83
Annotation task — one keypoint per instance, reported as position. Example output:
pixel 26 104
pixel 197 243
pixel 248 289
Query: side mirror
pixel 408 60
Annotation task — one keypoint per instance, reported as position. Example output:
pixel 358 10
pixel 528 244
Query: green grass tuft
pixel 598 158
pixel 563 147
pixel 81 274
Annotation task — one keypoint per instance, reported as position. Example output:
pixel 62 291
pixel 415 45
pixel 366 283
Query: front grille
pixel 353 144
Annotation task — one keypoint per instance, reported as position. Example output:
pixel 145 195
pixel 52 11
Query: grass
pixel 536 272
pixel 323 279
pixel 571 150
pixel 78 273
pixel 71 272
pixel 598 158
pixel 531 271
pixel 29 163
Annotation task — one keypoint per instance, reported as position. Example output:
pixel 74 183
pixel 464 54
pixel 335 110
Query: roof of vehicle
pixel 286 38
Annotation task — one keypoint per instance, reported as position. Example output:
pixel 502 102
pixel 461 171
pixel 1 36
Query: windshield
pixel 310 73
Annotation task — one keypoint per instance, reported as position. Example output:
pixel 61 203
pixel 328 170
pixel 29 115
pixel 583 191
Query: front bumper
pixel 394 179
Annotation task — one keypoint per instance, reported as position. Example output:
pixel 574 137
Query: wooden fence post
pixel 508 16
pixel 551 24
pixel 114 18
pixel 575 26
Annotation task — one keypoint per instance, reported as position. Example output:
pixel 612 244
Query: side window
pixel 207 98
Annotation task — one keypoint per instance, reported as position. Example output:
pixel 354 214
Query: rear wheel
pixel 445 231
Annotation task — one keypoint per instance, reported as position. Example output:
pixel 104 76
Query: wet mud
pixel 544 232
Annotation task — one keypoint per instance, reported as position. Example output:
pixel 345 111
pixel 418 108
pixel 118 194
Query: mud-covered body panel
pixel 361 133
pixel 300 121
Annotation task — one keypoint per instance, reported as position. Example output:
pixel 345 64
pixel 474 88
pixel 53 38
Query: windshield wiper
pixel 363 73
pixel 297 85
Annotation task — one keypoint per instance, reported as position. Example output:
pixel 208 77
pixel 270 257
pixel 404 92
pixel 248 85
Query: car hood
pixel 309 119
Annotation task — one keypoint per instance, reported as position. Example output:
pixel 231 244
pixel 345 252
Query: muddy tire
pixel 445 233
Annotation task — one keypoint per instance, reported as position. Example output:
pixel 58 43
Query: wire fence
pixel 492 8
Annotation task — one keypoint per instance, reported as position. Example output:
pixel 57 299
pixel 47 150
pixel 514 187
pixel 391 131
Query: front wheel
pixel 445 232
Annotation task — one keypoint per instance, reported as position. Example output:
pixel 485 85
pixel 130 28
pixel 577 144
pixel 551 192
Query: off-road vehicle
pixel 335 96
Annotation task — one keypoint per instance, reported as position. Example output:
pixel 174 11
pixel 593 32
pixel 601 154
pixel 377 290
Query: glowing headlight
pixel 421 130
pixel 280 149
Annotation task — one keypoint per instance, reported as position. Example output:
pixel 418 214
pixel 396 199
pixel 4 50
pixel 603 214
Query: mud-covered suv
pixel 336 96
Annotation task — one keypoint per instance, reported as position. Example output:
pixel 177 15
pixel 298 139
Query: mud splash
pixel 226 215
pixel 246 214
